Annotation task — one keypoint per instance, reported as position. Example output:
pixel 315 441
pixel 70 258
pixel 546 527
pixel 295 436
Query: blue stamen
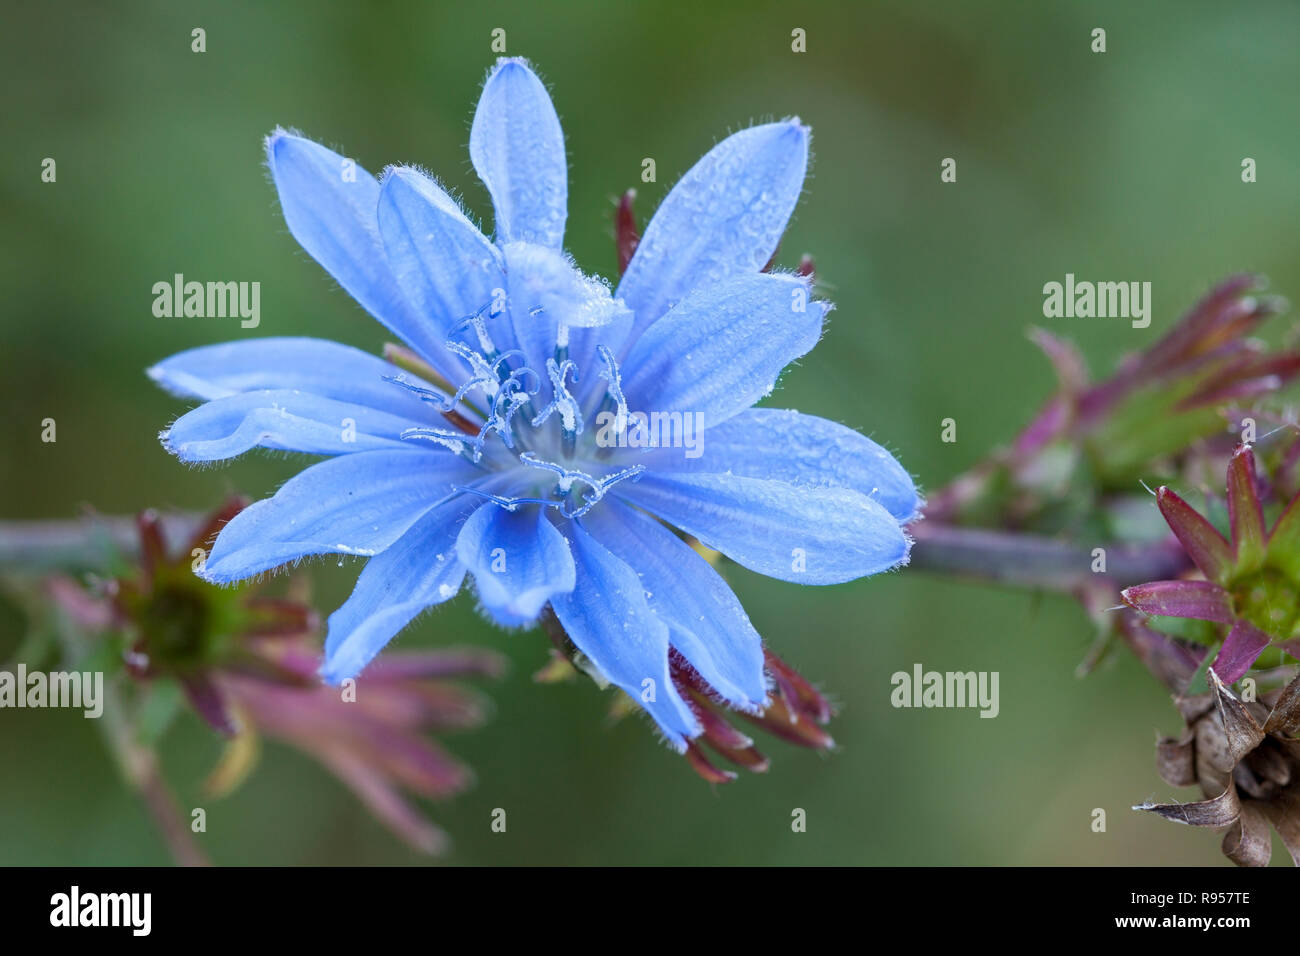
pixel 562 402
pixel 510 504
pixel 567 476
pixel 469 447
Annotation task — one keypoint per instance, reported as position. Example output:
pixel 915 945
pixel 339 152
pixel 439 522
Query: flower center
pixel 183 624
pixel 523 418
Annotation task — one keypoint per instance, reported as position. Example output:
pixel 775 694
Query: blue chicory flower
pixel 526 456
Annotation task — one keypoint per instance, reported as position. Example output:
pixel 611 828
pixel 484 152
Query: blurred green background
pixel 1122 166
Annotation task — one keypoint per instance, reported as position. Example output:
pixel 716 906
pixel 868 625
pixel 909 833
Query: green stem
pixel 140 769
pixel 137 763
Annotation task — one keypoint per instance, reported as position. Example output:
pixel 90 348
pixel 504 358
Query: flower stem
pixel 139 767
pixel 1009 558
pixel 1035 561
pixel 80 543
pixel 137 762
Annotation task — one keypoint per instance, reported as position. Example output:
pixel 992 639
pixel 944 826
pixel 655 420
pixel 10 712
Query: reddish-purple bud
pixel 210 703
pixel 1245 642
pixel 1203 544
pixel 705 768
pixel 1245 512
pixel 1201 600
pixel 153 548
pixel 626 235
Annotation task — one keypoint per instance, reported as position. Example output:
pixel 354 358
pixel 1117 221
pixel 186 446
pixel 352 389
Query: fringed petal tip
pixel 675 742
pixel 274 141
pixel 226 578
pixel 916 513
pixel 906 559
pixel 505 62
pixel 334 675
pixel 798 125
pixel 159 375
pixel 270 140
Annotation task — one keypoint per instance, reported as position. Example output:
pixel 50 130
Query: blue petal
pixel 607 618
pixel 420 570
pixel 330 207
pixel 706 622
pixel 517 148
pixel 795 533
pixel 545 288
pixel 724 217
pixel 354 504
pixel 318 366
pixel 448 269
pixel 799 449
pixel 518 559
pixel 722 348
pixel 287 420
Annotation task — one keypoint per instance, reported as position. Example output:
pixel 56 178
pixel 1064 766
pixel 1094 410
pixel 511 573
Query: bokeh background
pixel 1123 166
